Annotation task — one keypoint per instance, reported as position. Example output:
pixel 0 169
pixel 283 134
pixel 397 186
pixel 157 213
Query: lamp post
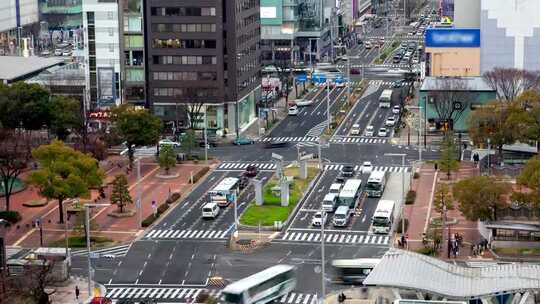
pixel 87 221
pixel 420 127
pixel 139 191
pixel 402 155
pixel 323 283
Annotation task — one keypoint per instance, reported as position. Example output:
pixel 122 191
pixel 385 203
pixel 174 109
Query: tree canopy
pixel 120 193
pixel 167 158
pixel 64 173
pixel 480 197
pixel 530 178
pixel 448 160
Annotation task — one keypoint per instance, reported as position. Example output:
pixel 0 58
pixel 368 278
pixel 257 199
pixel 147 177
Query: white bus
pixel 386 98
pixel 223 193
pixel 349 193
pixel 353 270
pixel 376 183
pixel 262 287
pixel 383 217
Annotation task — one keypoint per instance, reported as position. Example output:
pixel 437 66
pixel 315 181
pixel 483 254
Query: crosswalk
pixel 174 234
pixel 316 131
pixel 291 138
pixel 188 295
pixel 336 238
pixel 383 82
pixel 358 140
pixel 396 169
pixel 111 252
pixel 242 166
pixel 383 65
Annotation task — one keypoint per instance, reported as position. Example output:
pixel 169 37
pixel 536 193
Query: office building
pixel 203 53
pixel 102 53
pixel 351 10
pixel 61 14
pixel 18 19
pixel 380 7
pixel 467 13
pixel 510 34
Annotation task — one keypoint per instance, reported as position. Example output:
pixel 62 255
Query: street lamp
pixel 402 155
pixel 87 221
pixel 323 283
pixel 420 127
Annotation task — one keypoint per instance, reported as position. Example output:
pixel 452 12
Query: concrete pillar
pixel 231 118
pixel 303 169
pixel 258 192
pixel 284 192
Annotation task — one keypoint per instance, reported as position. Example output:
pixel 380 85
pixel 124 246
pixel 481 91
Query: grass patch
pixel 518 251
pixel 271 210
pixel 80 242
pixel 34 204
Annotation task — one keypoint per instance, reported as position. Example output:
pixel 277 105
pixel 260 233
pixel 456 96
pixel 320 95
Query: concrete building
pixel 351 10
pixel 467 13
pixel 380 7
pixel 61 14
pixel 102 53
pixel 510 34
pixel 18 19
pixel 203 53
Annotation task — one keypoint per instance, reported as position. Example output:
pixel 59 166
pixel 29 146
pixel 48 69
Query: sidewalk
pixel 65 291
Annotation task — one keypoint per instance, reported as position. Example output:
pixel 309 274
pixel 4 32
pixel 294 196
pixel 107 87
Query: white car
pixel 390 121
pixel 355 130
pixel 303 102
pixel 396 109
pixel 370 130
pixel 318 219
pixel 340 85
pixel 382 132
pixel 293 111
pixel 366 168
pixel 58 52
pixel 168 142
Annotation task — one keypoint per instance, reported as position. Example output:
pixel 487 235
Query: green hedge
pixel 10 216
pixel 174 197
pixel 411 197
pixel 200 174
pixel 151 218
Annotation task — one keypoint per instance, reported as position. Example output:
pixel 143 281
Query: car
pixel 58 52
pixel 276 144
pixel 251 171
pixel 382 132
pixel 419 33
pixel 293 111
pixel 168 142
pixel 240 141
pixel 367 45
pixel 67 53
pixel 355 130
pixel 318 218
pixel 390 121
pixel 339 180
pixel 396 59
pixel 303 102
pixel 210 210
pixel 397 84
pixel 366 167
pixel 347 171
pixel 210 141
pixel 396 109
pixel 355 71
pixel 45 53
pixel 369 130
pixel 340 85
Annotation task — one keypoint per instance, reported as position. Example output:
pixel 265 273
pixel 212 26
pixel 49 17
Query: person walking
pixel 77 292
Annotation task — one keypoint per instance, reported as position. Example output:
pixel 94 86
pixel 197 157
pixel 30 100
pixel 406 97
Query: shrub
pixel 411 197
pixel 162 208
pixel 398 229
pixel 148 221
pixel 427 251
pixel 416 175
pixel 10 216
pixel 174 197
pixel 197 176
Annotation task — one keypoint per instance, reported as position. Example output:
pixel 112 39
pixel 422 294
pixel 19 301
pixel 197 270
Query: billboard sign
pixel 271 12
pixel 452 38
pixel 106 88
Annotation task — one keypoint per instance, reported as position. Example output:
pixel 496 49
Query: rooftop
pixel 410 270
pixel 455 84
pixel 17 67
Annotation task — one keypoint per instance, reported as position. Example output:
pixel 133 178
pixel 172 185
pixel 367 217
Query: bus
pixel 383 217
pixel 353 270
pixel 348 196
pixel 262 287
pixel 224 192
pixel 386 98
pixel 376 183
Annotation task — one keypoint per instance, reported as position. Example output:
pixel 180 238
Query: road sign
pixel 301 78
pixel 319 78
pixel 94 255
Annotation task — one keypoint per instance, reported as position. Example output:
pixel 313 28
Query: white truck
pixel 383 217
pixel 385 100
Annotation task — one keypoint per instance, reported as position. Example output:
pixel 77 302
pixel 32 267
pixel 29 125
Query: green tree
pixel 524 117
pixel 189 142
pixel 65 116
pixel 448 160
pixel 530 178
pixel 443 200
pixel 120 193
pixel 137 127
pixel 64 173
pixel 480 197
pixel 167 158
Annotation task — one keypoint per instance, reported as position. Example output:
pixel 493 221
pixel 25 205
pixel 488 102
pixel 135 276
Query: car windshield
pixel 317 215
pixel 370 128
pixel 207 209
pixel 339 216
pixel 367 165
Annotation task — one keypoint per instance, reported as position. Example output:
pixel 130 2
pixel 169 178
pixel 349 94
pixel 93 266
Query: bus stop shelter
pixel 406 270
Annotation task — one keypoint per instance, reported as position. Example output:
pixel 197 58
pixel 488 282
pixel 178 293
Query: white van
pixel 210 210
pixel 335 188
pixel 341 216
pixel 355 130
pixel 329 202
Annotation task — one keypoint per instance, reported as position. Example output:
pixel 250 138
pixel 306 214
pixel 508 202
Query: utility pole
pixel 328 103
pixel 323 283
pixel 139 191
pixel 205 137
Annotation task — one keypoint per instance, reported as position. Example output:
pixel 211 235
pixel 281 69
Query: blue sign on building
pixel 301 78
pixel 452 37
pixel 319 78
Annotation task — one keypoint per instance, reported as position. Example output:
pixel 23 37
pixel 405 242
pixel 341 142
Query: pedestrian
pixel 77 292
pixel 436 166
pixel 464 146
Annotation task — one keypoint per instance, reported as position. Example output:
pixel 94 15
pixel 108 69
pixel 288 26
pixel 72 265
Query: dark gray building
pixel 203 52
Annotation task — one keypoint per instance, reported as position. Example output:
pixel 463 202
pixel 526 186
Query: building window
pixel 110 15
pixel 184 43
pixel 111 47
pixel 183 11
pixel 111 31
pixel 184 60
pixel 184 27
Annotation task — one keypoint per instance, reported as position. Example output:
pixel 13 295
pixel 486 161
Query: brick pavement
pixel 119 229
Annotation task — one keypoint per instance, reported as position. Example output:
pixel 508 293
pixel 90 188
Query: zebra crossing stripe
pixel 170 232
pixel 151 233
pixel 168 293
pixel 188 294
pixel 175 292
pixel 181 295
pixel 298 299
pixel 374 239
pixel 146 293
pixel 153 293
pixel 196 293
pixel 138 294
pixel 160 293
pixel 354 238
pixel 341 238
pixel 306 299
pixel 285 235
pixel 317 236
pixel 291 297
pixel 310 237
pixel 336 236
pixel 360 238
pixel 125 292
pixel 199 234
pixel 283 298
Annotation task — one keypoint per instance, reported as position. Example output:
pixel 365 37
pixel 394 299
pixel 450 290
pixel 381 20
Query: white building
pixel 16 17
pixel 102 53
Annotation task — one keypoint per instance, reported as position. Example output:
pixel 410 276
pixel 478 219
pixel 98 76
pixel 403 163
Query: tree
pixel 451 98
pixel 65 116
pixel 120 193
pixel 448 161
pixel 530 178
pixel 480 197
pixel 64 173
pixel 167 158
pixel 189 142
pixel 524 117
pixel 32 284
pixel 137 127
pixel 443 200
pixel 13 158
pixel 510 82
pixel 194 111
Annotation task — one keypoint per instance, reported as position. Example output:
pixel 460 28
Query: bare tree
pixel 33 283
pixel 510 83
pixel 14 155
pixel 451 98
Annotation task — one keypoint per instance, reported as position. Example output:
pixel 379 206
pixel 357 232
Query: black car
pixel 340 179
pixel 347 171
pixel 251 171
pixel 276 144
pixel 212 142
